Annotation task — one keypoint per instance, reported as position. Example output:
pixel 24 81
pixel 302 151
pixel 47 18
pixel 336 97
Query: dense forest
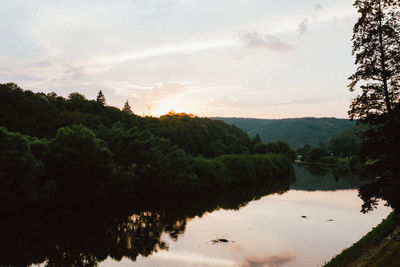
pixel 68 151
pixel 296 132
pixel 342 151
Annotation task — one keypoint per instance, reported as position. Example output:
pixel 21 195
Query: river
pixel 301 223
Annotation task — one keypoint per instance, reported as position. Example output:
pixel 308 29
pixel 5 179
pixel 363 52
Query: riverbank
pixel 380 247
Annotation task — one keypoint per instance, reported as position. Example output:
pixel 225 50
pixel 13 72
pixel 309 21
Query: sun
pixel 167 105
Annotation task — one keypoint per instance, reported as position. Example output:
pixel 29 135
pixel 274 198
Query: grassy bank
pixel 374 249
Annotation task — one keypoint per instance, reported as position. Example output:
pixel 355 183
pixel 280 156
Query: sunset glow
pixel 241 59
pixel 168 105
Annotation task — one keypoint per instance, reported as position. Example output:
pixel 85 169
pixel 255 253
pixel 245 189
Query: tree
pixel 317 153
pixel 127 107
pixel 101 99
pixel 381 147
pixel 376 46
pixel 278 147
pixel 20 172
pixel 255 140
pixel 76 97
pixel 80 163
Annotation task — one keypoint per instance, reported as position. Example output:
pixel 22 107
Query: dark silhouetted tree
pixel 127 107
pixel 376 47
pixel 256 139
pixel 76 97
pixel 80 163
pixel 21 173
pixel 278 147
pixel 101 98
pixel 317 153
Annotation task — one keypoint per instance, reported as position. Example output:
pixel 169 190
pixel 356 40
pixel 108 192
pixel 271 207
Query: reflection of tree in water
pixel 141 234
pixel 315 177
pixel 87 237
pixel 84 241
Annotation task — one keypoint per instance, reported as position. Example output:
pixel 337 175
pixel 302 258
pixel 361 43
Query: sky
pixel 232 58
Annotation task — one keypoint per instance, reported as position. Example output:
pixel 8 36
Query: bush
pixel 80 163
pixel 317 152
pixel 20 173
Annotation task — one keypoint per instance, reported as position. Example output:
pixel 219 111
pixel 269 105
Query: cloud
pixel 318 7
pixel 185 48
pixel 127 89
pixel 167 89
pixel 224 102
pixel 267 41
pixel 303 27
pixel 73 72
pixel 307 101
pixel 152 92
pixel 152 98
pixel 270 261
pixel 45 71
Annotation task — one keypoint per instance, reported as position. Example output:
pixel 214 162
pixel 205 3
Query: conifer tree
pixel 127 107
pixel 101 98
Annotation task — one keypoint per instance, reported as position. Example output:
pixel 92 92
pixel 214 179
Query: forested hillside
pixel 296 132
pixel 57 151
pixel 41 115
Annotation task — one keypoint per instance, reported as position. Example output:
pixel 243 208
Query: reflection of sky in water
pixel 270 232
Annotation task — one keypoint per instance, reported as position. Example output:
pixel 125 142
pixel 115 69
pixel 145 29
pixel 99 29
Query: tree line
pixel 57 151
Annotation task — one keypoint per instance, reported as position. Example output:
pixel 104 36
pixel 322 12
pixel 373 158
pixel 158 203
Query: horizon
pixel 214 59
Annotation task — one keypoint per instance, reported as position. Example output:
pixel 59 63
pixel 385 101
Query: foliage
pixel 79 163
pixel 101 99
pixel 180 174
pixel 42 115
pixel 245 169
pixel 304 151
pixel 127 108
pixel 200 136
pixel 81 151
pixel 133 148
pixel 278 147
pixel 381 147
pixel 21 185
pixel 255 140
pixel 377 51
pixel 348 143
pixel 317 153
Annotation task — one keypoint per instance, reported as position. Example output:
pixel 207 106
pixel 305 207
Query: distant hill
pixel 352 132
pixel 296 132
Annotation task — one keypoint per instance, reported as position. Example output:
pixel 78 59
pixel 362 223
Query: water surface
pixel 316 219
pixel 270 231
pixel 279 223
